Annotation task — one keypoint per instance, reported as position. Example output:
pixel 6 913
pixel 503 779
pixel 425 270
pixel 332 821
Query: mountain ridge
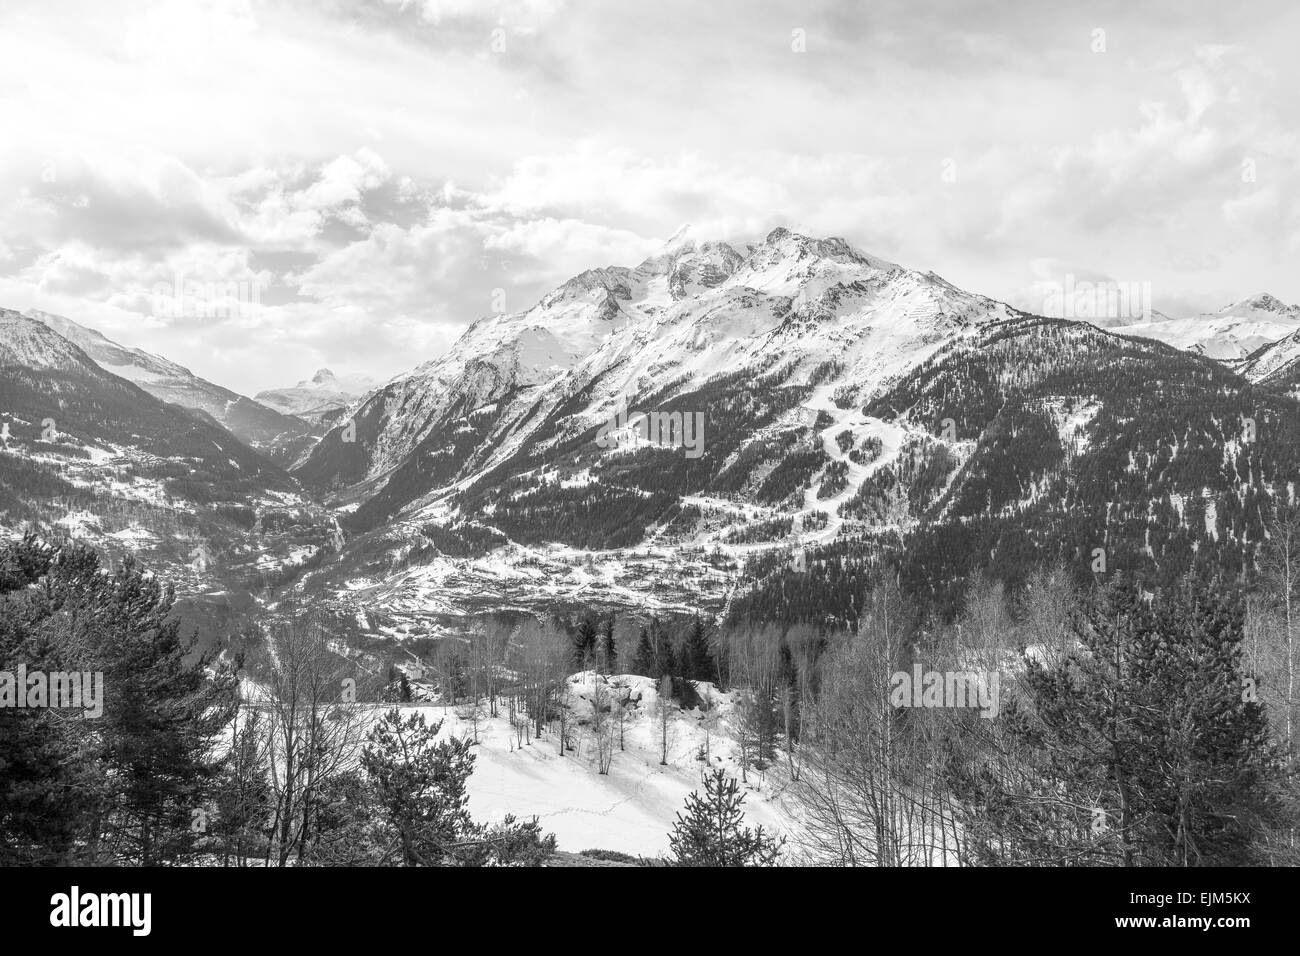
pixel 819 375
pixel 282 438
pixel 1233 333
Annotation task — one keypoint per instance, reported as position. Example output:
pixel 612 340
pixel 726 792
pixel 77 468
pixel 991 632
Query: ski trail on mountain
pixel 853 420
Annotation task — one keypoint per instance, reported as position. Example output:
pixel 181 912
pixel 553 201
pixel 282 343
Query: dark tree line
pixel 170 767
pixel 123 787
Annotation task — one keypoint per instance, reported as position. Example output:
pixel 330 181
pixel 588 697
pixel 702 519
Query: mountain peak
pixel 782 243
pixel 322 376
pixel 29 342
pixel 1263 302
pixel 1266 301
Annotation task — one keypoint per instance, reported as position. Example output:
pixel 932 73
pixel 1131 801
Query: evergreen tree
pixel 643 662
pixel 666 666
pixel 161 716
pixel 123 786
pixel 241 822
pixel 699 664
pixel 418 786
pixel 607 638
pixel 759 725
pixel 684 691
pixel 584 643
pixel 47 793
pixel 510 843
pixel 1144 747
pixel 712 831
pixel 343 824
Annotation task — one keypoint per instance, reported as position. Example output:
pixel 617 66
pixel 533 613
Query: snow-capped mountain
pixel 1232 333
pixel 1276 364
pixel 281 437
pixel 841 404
pixel 319 399
pixel 695 311
pixel 830 406
pixel 26 343
pixel 846 405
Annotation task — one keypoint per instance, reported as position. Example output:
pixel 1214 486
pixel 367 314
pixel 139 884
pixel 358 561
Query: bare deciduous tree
pixel 314 704
pixel 664 708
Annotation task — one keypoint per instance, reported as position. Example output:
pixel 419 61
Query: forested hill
pixel 1055 441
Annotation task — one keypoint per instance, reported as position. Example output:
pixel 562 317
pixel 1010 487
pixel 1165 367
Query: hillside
pixel 90 457
pixel 848 411
pixel 280 437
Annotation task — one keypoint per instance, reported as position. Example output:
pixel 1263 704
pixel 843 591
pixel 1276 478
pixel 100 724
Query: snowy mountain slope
pixel 48 374
pixel 320 399
pixel 1232 333
pixel 1002 444
pixel 90 457
pixel 498 357
pixel 681 318
pixel 26 343
pixel 1276 364
pixel 763 346
pixel 1069 439
pixel 281 437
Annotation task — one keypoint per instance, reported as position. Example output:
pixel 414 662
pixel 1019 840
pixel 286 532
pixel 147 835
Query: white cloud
pixel 381 170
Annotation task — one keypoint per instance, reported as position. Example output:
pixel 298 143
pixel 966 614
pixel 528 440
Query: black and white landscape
pixel 534 434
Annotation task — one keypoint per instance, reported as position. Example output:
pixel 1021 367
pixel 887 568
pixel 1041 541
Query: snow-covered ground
pixel 632 808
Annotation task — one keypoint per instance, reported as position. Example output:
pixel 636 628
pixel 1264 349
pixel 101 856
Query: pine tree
pixel 712 831
pixel 47 790
pixel 241 822
pixel 162 709
pixel 667 663
pixel 146 765
pixel 643 662
pixel 418 785
pixel 511 843
pixel 608 642
pixel 699 663
pixel 584 644
pixel 1145 747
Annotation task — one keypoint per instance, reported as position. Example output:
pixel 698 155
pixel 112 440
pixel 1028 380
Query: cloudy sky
pixel 365 173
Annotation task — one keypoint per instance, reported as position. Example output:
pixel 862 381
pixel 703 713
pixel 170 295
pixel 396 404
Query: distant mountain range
pixel 850 407
pixel 281 437
pixel 320 399
pixel 1234 332
pixel 90 456
pixel 848 411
